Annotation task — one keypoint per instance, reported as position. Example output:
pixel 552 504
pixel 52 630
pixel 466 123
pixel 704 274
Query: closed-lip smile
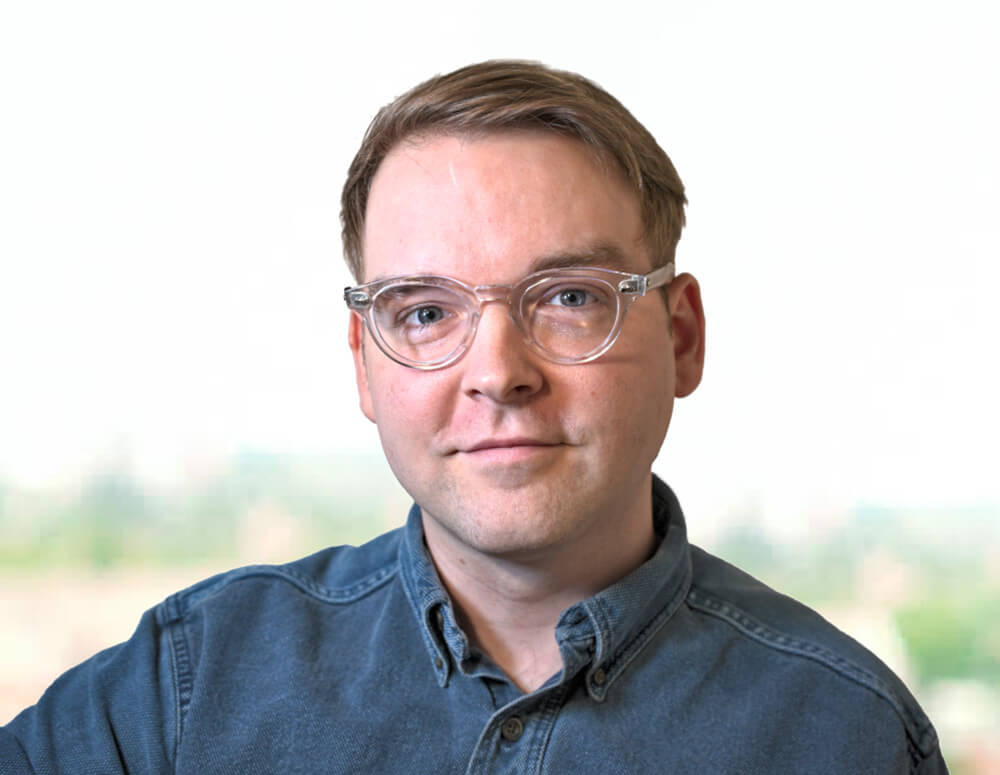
pixel 518 441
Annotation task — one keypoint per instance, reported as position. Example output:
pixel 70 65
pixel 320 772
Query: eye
pixel 425 316
pixel 572 297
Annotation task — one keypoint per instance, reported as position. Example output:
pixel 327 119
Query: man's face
pixel 506 452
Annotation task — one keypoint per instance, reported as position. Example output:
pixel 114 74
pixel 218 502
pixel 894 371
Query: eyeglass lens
pixel 568 317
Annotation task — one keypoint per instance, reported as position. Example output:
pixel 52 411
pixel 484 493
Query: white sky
pixel 170 267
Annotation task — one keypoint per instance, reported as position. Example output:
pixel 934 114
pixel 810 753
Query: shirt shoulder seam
pixel 172 612
pixel 919 730
pixel 178 605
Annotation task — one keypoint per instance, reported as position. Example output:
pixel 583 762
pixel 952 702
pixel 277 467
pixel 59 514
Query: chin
pixel 510 544
pixel 512 522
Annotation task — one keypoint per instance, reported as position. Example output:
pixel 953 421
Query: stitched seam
pixel 623 658
pixel 166 615
pixel 421 606
pixel 183 680
pixel 602 631
pixel 187 600
pixel 921 734
pixel 174 609
pixel 548 713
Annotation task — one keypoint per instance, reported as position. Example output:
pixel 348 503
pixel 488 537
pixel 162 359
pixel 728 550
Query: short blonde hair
pixel 502 95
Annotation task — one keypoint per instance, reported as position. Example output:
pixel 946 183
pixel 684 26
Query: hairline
pixel 590 255
pixel 469 102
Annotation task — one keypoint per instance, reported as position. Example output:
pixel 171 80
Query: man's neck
pixel 509 608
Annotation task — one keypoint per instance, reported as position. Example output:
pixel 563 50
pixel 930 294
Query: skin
pixel 533 477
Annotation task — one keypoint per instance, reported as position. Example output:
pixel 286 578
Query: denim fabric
pixel 351 661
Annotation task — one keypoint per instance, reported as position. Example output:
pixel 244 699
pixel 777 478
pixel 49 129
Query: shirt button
pixel 599 677
pixel 511 729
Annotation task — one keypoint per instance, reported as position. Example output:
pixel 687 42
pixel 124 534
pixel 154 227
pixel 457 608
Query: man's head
pixel 502 96
pixel 510 452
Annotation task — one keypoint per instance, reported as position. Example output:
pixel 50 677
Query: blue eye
pixel 572 297
pixel 426 316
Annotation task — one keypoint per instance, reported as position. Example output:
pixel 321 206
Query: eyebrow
pixel 601 254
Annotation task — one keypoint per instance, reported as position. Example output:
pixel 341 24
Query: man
pixel 519 336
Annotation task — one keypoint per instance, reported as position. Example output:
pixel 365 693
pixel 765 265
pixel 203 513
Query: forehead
pixel 490 209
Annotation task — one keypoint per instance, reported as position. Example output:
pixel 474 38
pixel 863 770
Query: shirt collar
pixel 602 633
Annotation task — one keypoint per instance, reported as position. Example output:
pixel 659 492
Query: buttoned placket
pixel 515 736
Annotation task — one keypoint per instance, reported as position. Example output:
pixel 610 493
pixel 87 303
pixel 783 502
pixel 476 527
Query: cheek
pixel 633 408
pixel 409 407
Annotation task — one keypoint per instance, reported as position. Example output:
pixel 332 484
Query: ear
pixel 356 341
pixel 687 320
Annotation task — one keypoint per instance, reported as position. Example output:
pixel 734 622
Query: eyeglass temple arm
pixel 356 299
pixel 639 284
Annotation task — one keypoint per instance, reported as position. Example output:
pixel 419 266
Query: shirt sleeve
pixel 932 765
pixel 114 713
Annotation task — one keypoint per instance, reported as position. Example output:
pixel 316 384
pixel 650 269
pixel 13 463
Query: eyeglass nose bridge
pixel 485 294
pixel 488 293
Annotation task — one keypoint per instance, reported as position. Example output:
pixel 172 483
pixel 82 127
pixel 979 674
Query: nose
pixel 498 364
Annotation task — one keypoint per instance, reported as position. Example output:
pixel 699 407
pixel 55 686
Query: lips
pixel 506 443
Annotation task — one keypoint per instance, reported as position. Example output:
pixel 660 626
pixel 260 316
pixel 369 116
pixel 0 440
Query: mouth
pixel 487 445
pixel 509 451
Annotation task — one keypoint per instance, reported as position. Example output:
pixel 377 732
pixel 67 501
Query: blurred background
pixel 176 394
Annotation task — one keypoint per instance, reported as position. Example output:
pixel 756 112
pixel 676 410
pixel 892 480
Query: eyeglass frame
pixel 630 286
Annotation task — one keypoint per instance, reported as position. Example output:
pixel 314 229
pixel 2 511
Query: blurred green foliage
pixel 113 520
pixel 949 617
pixel 954 634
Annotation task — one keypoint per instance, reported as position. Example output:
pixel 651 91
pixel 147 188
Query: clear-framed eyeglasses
pixel 571 315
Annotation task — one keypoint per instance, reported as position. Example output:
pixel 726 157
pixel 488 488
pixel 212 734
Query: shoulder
pixel 129 704
pixel 808 647
pixel 336 575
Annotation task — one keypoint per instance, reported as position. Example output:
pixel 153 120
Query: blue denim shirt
pixel 351 661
